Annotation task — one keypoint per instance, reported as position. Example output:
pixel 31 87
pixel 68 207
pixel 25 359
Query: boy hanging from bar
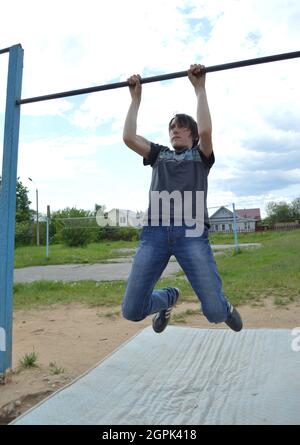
pixel 179 178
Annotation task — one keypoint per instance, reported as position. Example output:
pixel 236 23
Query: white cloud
pixel 80 171
pixel 92 42
pixel 49 108
pixel 55 160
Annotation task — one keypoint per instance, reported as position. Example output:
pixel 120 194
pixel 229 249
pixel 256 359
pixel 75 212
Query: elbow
pixel 129 139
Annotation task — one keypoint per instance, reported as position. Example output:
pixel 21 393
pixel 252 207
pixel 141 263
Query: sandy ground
pixel 76 337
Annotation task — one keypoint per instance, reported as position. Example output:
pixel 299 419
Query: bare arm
pixel 203 115
pixel 137 143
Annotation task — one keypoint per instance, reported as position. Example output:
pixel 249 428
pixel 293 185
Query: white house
pixel 124 218
pixel 246 219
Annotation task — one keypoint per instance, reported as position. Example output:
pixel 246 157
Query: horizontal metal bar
pixel 209 69
pixel 257 61
pixel 4 50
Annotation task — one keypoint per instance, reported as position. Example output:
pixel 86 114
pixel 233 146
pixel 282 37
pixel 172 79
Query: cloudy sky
pixel 72 148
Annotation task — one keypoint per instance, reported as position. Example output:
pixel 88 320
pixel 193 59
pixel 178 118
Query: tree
pixel 278 212
pixel 71 228
pixel 23 212
pixel 282 211
pixel 24 228
pixel 295 209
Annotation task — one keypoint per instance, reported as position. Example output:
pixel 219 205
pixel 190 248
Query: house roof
pixel 249 213
pixel 223 215
pixel 222 212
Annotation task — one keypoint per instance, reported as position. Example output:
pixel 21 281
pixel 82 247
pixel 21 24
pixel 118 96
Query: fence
pixel 286 226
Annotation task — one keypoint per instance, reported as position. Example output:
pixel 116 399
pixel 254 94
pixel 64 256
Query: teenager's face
pixel 180 137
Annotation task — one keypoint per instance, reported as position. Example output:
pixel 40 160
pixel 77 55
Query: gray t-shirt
pixel 180 172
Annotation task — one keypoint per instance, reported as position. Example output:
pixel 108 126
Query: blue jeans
pixel 195 257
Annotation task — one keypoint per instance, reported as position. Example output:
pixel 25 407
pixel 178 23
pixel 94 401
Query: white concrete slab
pixel 184 376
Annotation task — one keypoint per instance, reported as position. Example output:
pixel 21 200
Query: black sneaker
pixel 234 320
pixel 162 318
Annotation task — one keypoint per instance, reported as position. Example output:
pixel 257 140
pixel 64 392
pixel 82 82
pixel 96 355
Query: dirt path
pixel 75 338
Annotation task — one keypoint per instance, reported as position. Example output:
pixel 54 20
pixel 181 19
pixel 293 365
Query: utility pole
pixel 37 213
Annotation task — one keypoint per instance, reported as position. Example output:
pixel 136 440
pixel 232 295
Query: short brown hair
pixel 184 120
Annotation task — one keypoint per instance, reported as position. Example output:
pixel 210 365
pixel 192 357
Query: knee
pixel 130 314
pixel 215 315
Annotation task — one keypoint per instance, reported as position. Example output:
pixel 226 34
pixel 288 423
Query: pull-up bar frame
pixel 4 50
pixel 9 174
pixel 8 205
pixel 159 78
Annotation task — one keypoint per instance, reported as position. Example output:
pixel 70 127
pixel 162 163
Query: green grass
pixel 274 269
pixel 60 254
pixel 100 252
pixel 29 360
pixel 45 293
pixel 55 370
pixel 270 271
pixel 247 237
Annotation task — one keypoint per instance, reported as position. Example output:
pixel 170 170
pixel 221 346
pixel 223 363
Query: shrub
pixel 24 233
pixel 67 224
pixel 75 237
pixel 117 233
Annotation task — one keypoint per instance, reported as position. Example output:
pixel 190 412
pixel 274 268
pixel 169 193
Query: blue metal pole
pixel 237 248
pixel 8 205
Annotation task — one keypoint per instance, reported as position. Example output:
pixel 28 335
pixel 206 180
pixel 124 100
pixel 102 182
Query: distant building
pixel 249 213
pixel 124 218
pixel 246 220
